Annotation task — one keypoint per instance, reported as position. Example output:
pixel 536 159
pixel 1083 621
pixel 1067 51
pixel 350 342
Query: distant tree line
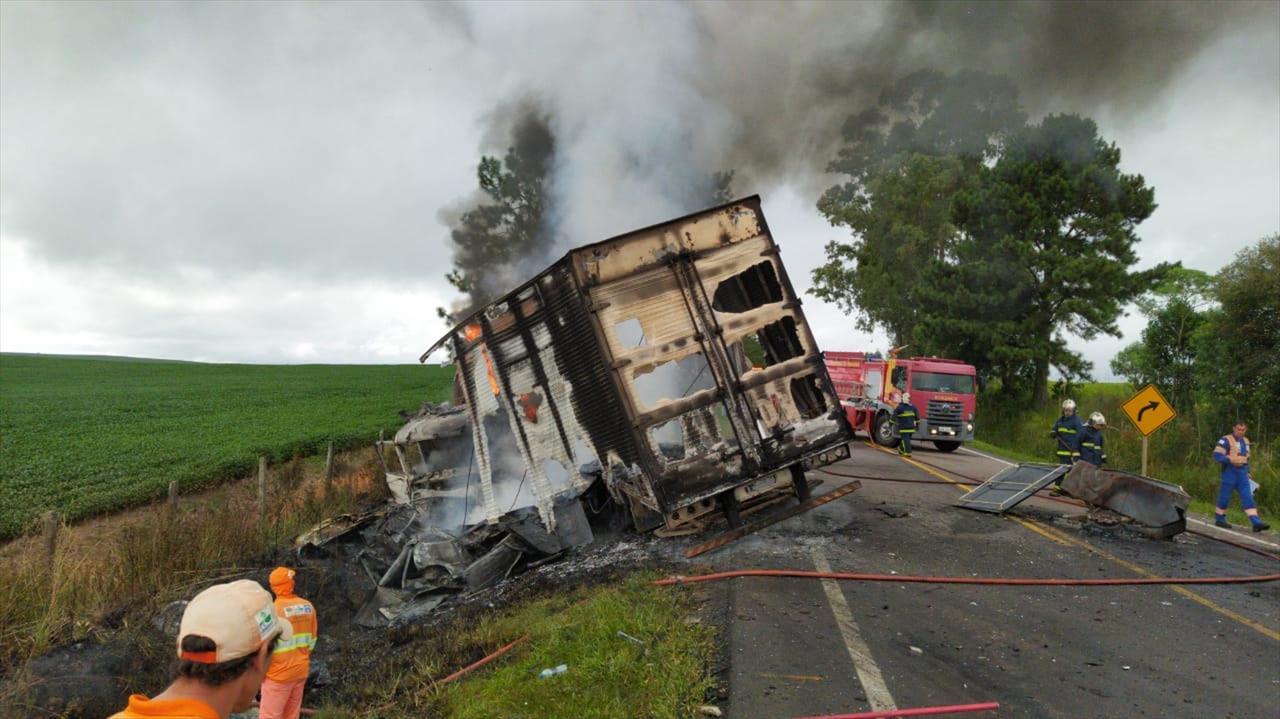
pixel 1212 341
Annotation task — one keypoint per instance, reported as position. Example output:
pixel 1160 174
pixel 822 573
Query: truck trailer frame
pixel 633 352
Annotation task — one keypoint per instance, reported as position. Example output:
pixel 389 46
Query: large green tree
pixel 903 162
pixel 1046 253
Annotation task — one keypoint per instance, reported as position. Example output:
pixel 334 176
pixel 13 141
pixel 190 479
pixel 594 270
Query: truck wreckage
pixel 668 373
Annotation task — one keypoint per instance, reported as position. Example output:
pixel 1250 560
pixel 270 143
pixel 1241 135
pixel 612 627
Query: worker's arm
pixel 1220 453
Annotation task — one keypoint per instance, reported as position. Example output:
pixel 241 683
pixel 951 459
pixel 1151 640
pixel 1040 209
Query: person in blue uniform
pixel 1232 452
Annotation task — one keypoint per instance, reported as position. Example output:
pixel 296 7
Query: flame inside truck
pixel 673 364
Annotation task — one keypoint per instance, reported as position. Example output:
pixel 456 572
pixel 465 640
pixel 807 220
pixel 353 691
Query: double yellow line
pixel 1063 539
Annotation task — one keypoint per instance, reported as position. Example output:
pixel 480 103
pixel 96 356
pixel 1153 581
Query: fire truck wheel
pixel 884 434
pixel 946 446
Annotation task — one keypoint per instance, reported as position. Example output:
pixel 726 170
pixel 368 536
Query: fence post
pixel 328 468
pixel 173 496
pixel 52 523
pixel 262 486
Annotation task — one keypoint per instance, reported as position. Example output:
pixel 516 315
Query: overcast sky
pixel 264 182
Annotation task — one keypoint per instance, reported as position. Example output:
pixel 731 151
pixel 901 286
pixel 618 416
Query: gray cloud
pixel 313 145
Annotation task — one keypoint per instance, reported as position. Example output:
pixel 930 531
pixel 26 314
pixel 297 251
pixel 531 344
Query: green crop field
pixel 89 435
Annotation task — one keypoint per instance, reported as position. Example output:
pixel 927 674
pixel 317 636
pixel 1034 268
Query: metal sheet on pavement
pixel 1011 486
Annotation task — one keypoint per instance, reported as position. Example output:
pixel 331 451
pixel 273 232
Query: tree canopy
pixel 979 236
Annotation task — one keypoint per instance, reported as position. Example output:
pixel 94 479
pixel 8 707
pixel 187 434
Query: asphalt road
pixel 802 647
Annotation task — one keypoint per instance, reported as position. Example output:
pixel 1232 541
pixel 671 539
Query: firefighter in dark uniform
pixel 1091 449
pixel 905 416
pixel 1066 433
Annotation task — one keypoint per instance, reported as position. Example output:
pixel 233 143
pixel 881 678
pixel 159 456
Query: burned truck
pixel 672 366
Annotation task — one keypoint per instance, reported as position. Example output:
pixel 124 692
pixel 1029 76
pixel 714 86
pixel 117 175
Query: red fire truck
pixel 870 386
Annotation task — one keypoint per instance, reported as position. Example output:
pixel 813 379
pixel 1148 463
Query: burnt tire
pixel 884 433
pixel 946 446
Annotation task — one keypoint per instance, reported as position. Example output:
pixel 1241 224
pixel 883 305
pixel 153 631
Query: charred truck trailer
pixel 630 361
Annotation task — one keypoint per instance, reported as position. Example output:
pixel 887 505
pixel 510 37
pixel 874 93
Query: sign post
pixel 1149 411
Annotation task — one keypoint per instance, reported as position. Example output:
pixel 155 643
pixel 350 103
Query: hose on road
pixel 982 581
pixel 914 712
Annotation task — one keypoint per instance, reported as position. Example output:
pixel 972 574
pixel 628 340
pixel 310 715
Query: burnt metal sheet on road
pixel 1011 486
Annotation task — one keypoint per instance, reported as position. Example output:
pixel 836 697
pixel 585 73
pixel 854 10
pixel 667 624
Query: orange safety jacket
pixel 292 658
pixel 141 707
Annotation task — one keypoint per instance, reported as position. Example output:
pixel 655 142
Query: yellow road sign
pixel 1148 410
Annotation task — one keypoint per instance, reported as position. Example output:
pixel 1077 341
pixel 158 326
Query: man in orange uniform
pixel 225 644
pixel 291 662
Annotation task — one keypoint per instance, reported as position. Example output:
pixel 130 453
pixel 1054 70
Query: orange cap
pixel 282 581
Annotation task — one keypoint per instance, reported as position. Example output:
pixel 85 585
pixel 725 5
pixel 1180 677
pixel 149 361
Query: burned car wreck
pixel 668 373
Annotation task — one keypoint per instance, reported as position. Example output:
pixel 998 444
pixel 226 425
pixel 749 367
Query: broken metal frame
pixel 551 346
pixel 1011 486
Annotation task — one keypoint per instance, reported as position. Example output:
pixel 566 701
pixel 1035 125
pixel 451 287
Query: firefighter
pixel 1091 449
pixel 904 418
pixel 1066 433
pixel 1232 452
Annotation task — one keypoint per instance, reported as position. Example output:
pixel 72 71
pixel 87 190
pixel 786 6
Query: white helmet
pixel 906 397
pixel 1098 419
pixel 1068 405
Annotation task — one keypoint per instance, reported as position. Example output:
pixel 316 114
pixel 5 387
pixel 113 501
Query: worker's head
pixel 906 397
pixel 226 639
pixel 1097 420
pixel 1068 407
pixel 282 581
pixel 1238 429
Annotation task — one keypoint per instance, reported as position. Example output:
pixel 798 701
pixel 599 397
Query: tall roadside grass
pixel 1179 452
pixel 109 572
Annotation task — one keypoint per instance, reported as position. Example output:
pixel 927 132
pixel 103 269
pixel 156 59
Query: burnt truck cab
pixel 631 355
pixel 871 386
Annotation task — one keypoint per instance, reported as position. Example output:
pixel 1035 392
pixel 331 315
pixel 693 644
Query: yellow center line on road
pixel 1061 538
pixel 964 489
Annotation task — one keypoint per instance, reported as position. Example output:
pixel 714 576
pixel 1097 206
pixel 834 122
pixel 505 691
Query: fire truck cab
pixel 870 386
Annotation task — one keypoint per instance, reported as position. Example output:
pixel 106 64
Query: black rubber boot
pixel 1261 527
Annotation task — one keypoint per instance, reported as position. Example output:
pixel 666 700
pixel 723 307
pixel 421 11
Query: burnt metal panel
pixel 1143 499
pixel 1011 486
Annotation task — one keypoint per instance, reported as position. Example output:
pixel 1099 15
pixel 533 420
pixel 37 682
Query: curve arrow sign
pixel 1149 406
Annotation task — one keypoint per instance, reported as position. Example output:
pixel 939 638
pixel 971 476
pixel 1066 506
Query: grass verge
pixel 110 572
pixel 608 676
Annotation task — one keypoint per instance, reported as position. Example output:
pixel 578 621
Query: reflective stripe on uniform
pixel 1065 429
pixel 301 640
